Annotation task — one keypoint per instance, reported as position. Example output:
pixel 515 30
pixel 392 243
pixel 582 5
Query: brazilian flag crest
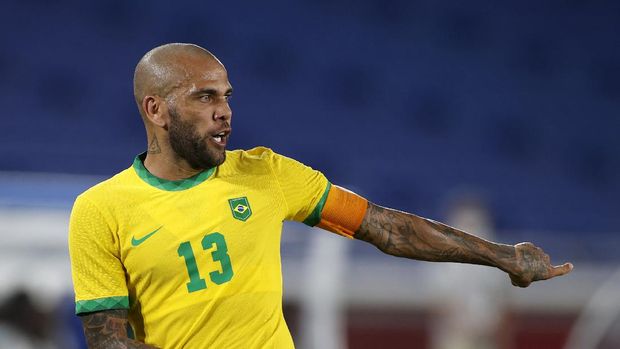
pixel 240 208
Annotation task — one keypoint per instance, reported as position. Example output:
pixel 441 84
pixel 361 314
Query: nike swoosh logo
pixel 135 242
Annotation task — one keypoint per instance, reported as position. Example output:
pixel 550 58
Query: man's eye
pixel 228 97
pixel 206 98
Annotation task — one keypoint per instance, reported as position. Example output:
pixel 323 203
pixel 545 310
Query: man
pixel 184 245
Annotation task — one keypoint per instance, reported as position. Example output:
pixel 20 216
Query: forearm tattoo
pixel 407 235
pixel 108 329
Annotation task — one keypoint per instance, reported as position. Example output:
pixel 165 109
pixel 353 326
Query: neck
pixel 162 162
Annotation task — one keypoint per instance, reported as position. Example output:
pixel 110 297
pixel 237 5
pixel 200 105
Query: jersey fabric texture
pixel 196 261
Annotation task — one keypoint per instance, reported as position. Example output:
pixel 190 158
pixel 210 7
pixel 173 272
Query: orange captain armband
pixel 343 212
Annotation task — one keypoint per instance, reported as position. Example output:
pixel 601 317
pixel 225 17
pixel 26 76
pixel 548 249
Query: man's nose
pixel 223 112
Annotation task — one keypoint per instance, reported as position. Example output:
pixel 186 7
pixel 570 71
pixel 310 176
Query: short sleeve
pixel 97 271
pixel 305 189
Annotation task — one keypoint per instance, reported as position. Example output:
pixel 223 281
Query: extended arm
pixel 406 235
pixel 108 329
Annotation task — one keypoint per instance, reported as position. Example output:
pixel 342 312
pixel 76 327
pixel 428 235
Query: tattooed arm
pixel 406 235
pixel 108 330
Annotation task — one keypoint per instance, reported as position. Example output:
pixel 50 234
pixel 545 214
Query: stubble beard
pixel 189 145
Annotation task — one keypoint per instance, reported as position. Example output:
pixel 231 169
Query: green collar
pixel 164 184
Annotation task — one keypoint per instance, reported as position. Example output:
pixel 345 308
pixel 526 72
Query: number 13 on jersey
pixel 219 254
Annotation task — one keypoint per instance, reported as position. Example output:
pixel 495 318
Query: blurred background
pixel 499 118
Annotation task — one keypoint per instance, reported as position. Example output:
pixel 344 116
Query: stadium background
pixel 507 112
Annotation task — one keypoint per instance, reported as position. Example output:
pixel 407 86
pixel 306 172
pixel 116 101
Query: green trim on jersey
pixel 165 184
pixel 315 217
pixel 107 303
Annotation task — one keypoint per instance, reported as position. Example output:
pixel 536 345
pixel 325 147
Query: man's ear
pixel 155 110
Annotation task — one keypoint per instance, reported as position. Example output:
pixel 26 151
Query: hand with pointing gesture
pixel 533 264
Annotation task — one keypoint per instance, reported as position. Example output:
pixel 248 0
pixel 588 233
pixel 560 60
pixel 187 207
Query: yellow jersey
pixel 196 262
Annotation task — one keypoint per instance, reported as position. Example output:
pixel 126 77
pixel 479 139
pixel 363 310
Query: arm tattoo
pixel 108 329
pixel 406 235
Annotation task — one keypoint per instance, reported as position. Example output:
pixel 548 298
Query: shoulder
pixel 106 188
pixel 254 154
pixel 255 160
pixel 259 159
pixel 96 206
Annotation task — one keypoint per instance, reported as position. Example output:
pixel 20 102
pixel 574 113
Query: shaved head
pixel 182 92
pixel 165 68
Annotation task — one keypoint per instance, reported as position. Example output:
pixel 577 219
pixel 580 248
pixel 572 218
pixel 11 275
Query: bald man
pixel 181 250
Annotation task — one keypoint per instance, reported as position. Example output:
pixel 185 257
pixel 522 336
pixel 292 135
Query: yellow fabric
pixel 243 312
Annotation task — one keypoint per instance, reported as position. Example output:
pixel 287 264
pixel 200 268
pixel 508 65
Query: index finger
pixel 561 270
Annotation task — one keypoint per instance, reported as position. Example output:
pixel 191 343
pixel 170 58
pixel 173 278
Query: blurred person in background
pixel 23 325
pixel 469 306
pixel 182 248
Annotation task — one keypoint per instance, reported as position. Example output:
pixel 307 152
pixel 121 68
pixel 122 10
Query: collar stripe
pixel 165 184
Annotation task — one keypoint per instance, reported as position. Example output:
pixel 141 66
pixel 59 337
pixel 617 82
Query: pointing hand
pixel 533 264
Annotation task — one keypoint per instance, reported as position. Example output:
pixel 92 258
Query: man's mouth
pixel 221 137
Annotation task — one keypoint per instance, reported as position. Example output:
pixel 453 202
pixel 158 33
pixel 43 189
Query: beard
pixel 189 145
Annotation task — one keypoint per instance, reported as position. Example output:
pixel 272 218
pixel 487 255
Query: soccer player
pixel 182 249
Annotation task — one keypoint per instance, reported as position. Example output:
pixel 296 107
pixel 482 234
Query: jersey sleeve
pixel 97 272
pixel 304 189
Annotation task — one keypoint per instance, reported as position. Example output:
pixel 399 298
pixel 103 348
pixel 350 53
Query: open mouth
pixel 221 137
